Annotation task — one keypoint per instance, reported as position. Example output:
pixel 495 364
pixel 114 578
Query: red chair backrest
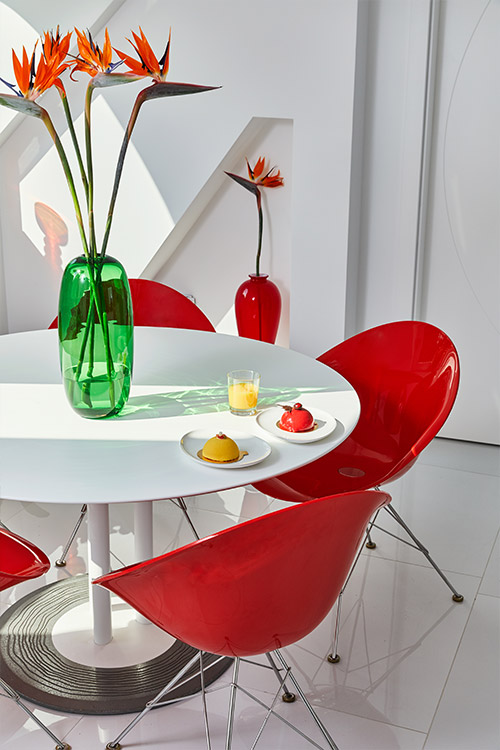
pixel 20 560
pixel 156 304
pixel 406 375
pixel 257 586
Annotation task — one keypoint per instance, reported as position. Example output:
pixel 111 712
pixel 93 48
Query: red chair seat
pixel 19 560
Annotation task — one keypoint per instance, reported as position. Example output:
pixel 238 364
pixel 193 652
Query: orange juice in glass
pixel 243 391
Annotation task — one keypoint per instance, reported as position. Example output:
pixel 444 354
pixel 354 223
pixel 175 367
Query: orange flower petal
pixel 146 54
pixel 259 167
pixel 148 64
pixel 134 66
pixel 166 58
pixel 21 73
pixel 107 51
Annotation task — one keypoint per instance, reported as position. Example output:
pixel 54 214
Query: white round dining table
pixel 49 454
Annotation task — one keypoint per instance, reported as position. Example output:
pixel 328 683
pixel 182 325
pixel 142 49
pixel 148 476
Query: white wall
pixel 394 110
pixel 461 258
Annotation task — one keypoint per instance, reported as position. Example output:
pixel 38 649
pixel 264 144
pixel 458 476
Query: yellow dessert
pixel 221 449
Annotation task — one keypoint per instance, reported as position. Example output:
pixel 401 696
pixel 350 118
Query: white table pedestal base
pixel 99 564
pixel 143 537
pixel 133 642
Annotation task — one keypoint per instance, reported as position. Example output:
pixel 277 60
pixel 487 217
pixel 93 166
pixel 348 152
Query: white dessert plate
pixel 256 448
pixel 269 418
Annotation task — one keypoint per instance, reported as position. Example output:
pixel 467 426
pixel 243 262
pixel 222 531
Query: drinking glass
pixel 243 391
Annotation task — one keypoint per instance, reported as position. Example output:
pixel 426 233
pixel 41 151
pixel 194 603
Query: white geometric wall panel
pixel 461 280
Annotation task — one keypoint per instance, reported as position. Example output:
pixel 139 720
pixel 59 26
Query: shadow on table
pixel 204 400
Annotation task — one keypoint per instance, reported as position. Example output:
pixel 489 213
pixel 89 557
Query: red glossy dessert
pixel 296 419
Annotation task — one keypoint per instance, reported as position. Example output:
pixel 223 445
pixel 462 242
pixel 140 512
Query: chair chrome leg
pixel 370 544
pixel 456 596
pixel 61 562
pixel 183 507
pixel 311 710
pixel 115 744
pixel 287 696
pixel 232 703
pixel 13 695
pixel 204 701
pixel 270 711
pixel 334 657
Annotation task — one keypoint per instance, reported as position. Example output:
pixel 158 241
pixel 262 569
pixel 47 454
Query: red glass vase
pixel 257 307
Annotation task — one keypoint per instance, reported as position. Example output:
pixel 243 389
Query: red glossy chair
pixel 406 375
pixel 230 593
pixel 157 305
pixel 21 561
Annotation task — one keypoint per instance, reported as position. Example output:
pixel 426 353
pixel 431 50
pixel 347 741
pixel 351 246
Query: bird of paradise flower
pixel 259 176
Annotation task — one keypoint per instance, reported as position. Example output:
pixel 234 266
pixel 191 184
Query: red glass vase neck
pixel 258 277
pixel 258 308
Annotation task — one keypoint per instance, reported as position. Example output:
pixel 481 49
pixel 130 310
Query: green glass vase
pixel 96 336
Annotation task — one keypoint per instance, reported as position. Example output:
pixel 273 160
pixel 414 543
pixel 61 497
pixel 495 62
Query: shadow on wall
pixel 55 233
pixel 33 274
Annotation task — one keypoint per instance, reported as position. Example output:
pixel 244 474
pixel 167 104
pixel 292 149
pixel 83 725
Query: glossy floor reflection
pixel 416 671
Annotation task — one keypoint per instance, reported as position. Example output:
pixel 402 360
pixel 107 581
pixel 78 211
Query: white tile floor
pixel 416 671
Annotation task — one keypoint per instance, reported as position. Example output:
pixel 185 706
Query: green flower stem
pixel 90 327
pixel 90 170
pixel 105 333
pixel 102 318
pixel 76 146
pixel 69 177
pixel 141 98
pixel 86 332
pixel 96 288
pixel 261 225
pixel 91 347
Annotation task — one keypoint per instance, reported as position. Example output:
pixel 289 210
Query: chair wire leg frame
pixel 420 547
pixel 9 692
pixel 61 562
pixel 178 680
pixel 334 657
pixel 270 709
pixel 181 503
pixel 156 701
pixel 287 696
